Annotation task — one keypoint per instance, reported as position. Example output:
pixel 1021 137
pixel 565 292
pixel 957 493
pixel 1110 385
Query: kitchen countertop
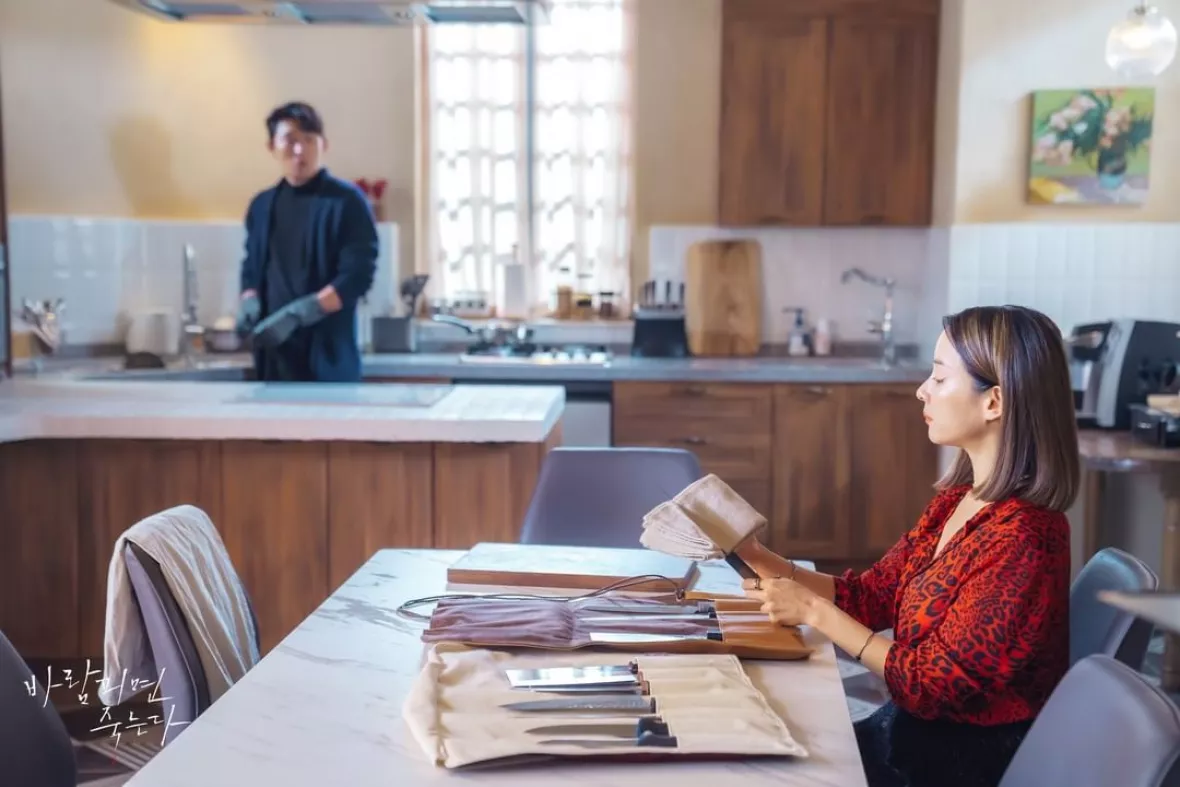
pixel 68 407
pixel 829 370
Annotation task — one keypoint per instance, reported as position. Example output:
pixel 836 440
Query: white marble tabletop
pixel 324 708
pixel 65 408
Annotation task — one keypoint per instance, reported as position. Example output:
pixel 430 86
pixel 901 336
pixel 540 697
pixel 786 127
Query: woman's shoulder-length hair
pixel 1021 351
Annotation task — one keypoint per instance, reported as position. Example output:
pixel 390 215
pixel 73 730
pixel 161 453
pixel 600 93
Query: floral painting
pixel 1091 146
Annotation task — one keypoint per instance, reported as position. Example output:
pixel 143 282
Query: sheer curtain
pixel 527 147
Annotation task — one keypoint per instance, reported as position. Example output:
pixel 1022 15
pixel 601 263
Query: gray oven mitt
pixel 278 327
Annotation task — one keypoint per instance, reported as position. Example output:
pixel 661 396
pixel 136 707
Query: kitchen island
pixel 304 482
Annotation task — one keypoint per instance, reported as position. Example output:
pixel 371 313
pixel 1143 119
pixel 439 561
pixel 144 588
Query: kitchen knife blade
pixel 625 618
pixel 608 674
pixel 592 688
pixel 639 637
pixel 701 608
pixel 616 703
pixel 648 724
pixel 662 741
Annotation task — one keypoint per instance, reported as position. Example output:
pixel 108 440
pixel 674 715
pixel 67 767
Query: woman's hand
pixel 787 602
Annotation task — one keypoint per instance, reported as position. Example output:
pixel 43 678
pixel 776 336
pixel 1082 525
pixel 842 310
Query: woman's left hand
pixel 786 602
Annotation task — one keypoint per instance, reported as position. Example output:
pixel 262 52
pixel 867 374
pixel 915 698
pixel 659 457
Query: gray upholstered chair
pixel 183 682
pixel 35 748
pixel 1105 725
pixel 597 497
pixel 1095 627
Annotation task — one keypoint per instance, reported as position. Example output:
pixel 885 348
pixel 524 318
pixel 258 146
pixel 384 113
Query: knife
pixel 705 608
pixel 647 739
pixel 626 618
pixel 653 725
pixel 608 674
pixel 589 688
pixel 633 637
pixel 615 703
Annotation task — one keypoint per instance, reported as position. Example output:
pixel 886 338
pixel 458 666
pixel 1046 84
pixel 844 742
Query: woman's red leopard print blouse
pixel 981 631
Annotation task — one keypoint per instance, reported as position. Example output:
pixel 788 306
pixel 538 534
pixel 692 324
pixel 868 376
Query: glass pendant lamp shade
pixel 1142 45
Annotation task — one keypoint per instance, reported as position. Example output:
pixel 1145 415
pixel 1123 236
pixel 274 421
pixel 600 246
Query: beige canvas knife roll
pixel 711 707
pixel 706 520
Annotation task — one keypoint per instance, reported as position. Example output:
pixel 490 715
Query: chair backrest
pixel 1104 725
pixel 1095 627
pixel 35 749
pixel 598 496
pixel 183 684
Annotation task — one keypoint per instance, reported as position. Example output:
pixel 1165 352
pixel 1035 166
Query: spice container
pixel 607 310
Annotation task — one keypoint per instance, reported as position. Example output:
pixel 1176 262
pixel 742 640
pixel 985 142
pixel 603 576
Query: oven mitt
pixel 249 312
pixel 278 327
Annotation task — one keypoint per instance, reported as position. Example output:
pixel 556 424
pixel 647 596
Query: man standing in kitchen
pixel 311 254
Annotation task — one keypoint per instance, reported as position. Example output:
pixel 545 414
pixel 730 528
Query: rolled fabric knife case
pixel 463 711
pixel 546 624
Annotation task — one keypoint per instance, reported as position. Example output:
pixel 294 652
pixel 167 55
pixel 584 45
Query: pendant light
pixel 1142 45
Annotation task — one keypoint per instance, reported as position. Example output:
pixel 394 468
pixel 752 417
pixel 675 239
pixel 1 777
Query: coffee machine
pixel 1118 363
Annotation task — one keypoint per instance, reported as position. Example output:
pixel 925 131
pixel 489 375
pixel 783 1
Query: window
pixel 527 151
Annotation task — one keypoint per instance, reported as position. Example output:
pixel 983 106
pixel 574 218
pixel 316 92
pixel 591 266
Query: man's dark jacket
pixel 342 246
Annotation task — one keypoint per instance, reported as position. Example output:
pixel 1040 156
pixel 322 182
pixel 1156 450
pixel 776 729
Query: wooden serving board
pixel 575 568
pixel 723 297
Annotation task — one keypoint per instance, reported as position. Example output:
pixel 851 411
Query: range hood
pixel 344 12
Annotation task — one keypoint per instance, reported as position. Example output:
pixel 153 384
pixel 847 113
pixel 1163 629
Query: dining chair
pixel 1103 725
pixel 35 748
pixel 1095 627
pixel 183 686
pixel 597 497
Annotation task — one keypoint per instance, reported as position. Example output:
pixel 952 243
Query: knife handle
pixel 741 566
pixel 661 741
pixel 651 725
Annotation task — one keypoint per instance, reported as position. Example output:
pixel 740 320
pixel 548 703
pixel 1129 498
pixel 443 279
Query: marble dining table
pixel 325 707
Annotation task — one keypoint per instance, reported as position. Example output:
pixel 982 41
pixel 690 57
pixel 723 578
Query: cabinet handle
pixel 818 390
pixel 693 390
pixel 695 440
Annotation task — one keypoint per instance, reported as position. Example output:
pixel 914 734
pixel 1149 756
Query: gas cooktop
pixel 538 355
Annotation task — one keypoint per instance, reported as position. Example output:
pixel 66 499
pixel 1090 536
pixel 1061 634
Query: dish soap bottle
pixel 797 344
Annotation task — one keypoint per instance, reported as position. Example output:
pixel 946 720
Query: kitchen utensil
pixel 662 741
pixel 723 298
pixel 614 703
pixel 643 618
pixel 551 565
pixel 573 676
pixel 223 336
pixel 699 608
pixel 591 688
pixel 633 637
pixel 411 289
pixel 646 725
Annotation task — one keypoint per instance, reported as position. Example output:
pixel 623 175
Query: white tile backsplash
pixel 106 268
pixel 802 267
pixel 1074 273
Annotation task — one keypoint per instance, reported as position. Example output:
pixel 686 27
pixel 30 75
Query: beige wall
pixel 110 113
pixel 1012 47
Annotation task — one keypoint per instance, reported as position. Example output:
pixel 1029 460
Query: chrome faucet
pixel 884 326
pixel 192 332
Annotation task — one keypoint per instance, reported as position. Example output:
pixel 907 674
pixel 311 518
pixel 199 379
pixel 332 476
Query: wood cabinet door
pixel 879 147
pixel 894 465
pixel 811 478
pixel 773 88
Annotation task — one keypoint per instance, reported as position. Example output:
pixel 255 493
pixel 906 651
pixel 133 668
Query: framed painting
pixel 1091 146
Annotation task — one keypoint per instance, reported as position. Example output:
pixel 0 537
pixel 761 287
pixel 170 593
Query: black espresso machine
pixel 1118 363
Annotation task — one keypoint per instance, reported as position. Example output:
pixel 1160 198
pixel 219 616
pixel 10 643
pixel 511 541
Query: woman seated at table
pixel 977 593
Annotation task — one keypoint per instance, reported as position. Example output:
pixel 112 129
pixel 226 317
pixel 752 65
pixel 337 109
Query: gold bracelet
pixel 864 646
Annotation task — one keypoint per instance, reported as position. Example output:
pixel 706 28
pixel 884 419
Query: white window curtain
pixel 527 149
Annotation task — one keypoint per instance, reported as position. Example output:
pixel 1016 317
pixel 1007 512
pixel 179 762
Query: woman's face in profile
pixel 956 412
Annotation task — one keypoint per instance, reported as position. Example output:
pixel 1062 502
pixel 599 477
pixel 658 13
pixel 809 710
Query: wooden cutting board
pixel 723 297
pixel 578 568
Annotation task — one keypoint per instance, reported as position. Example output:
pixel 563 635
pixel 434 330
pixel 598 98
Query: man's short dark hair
pixel 302 115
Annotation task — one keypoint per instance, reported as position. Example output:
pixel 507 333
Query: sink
pixel 336 394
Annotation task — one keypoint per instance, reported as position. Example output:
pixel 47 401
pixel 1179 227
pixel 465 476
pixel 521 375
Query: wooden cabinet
pixel 827 112
pixel 727 426
pixel 5 328
pixel 840 471
pixel 297 518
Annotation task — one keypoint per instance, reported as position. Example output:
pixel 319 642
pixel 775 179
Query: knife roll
pixel 456 711
pixel 549 624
